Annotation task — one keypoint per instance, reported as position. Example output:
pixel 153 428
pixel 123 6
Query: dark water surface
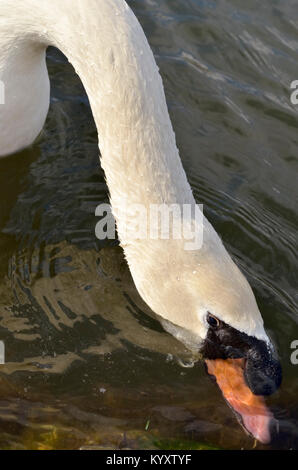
pixel 85 364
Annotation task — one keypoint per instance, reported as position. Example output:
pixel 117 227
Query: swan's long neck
pixel 108 49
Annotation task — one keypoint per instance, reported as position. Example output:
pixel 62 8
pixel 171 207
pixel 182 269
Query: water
pixel 86 365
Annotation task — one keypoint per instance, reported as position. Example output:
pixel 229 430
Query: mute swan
pixel 200 295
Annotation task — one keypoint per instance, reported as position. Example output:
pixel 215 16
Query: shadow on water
pixel 87 364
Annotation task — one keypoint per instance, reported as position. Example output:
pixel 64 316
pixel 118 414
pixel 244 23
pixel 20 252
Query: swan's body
pixel 108 49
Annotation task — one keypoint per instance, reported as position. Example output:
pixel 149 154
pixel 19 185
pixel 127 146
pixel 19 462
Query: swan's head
pixel 209 305
pixel 228 329
pixel 236 349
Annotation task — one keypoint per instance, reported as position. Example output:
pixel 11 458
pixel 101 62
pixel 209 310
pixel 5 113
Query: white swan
pixel 201 294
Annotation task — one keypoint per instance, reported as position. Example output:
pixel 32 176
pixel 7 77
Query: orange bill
pixel 255 415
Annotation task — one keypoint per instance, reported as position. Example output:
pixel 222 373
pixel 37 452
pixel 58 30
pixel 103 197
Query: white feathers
pixel 108 49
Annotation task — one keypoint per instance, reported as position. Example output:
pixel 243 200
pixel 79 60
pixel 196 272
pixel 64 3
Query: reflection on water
pixel 87 365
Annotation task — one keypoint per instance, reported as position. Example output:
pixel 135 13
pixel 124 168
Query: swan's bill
pixel 252 410
pixel 245 369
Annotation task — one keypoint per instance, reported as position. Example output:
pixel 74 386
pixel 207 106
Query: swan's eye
pixel 212 320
